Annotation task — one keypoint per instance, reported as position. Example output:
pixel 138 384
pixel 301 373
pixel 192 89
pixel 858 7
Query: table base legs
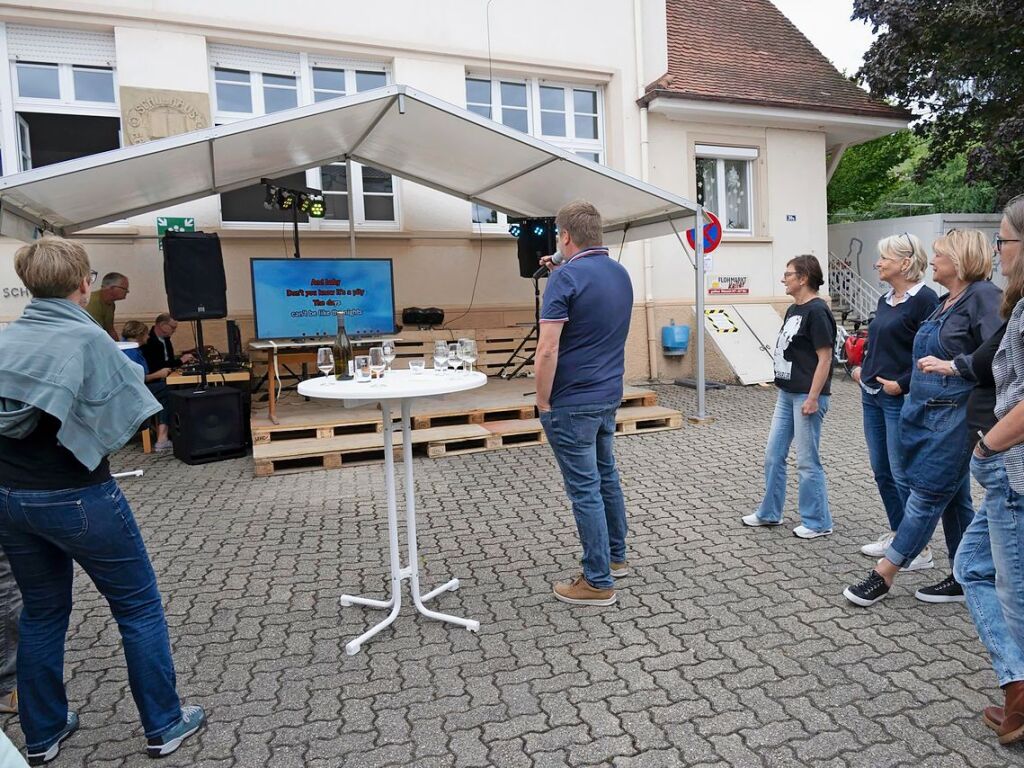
pixel 395 604
pixel 398 573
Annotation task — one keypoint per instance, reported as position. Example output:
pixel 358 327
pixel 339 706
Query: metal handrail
pixel 853 291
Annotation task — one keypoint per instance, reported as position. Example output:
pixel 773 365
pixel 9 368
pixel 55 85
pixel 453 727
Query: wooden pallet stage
pixel 322 435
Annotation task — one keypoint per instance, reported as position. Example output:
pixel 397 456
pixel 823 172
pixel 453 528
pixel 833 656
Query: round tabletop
pixel 396 385
pixel 127 344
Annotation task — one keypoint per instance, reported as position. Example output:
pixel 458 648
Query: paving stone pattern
pixel 728 647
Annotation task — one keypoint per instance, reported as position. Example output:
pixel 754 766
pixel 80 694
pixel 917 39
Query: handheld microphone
pixel 556 258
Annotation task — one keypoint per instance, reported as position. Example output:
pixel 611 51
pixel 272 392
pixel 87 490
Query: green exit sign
pixel 165 224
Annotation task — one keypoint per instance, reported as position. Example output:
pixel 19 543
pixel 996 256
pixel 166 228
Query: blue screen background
pixel 364 293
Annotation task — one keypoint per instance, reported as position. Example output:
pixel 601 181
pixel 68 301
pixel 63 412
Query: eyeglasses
pixel 998 241
pixel 951 231
pixel 123 288
pixel 789 274
pixel 913 251
pixel 93 274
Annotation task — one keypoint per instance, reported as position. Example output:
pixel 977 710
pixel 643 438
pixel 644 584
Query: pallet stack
pixel 315 435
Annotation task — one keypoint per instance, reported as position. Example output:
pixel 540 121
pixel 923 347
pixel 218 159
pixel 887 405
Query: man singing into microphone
pixel 580 364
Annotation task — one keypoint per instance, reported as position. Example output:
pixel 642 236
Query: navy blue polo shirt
pixel 592 296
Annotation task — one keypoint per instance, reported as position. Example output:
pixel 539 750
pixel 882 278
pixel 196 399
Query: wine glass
pixel 440 357
pixel 453 357
pixel 389 353
pixel 325 362
pixel 467 351
pixel 377 363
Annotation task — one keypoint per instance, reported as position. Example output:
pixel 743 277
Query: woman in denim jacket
pixel 68 397
pixel 991 556
pixel 933 421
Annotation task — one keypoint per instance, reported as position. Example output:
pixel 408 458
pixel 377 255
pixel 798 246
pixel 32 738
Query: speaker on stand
pixel 195 282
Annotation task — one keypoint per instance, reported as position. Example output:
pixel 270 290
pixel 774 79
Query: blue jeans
pixel 921 515
pixel 581 438
pixel 988 566
pixel 788 423
pixel 882 434
pixel 44 533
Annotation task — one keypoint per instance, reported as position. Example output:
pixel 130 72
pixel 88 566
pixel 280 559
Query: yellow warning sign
pixel 720 321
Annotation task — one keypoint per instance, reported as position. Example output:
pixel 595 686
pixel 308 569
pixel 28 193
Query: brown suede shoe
pixel 1012 728
pixel 993 718
pixel 579 592
pixel 620 569
pixel 9 703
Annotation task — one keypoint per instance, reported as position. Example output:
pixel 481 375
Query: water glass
pixel 440 357
pixel 454 361
pixel 390 352
pixel 416 365
pixel 325 363
pixel 468 353
pixel 377 364
pixel 363 369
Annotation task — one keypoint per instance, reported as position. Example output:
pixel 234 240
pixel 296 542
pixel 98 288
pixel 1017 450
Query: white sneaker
pixel 756 522
pixel 879 546
pixel 922 562
pixel 803 532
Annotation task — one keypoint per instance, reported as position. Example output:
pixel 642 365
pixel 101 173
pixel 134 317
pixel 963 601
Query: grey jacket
pixel 54 358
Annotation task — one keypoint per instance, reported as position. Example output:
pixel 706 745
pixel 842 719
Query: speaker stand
pixel 295 226
pixel 533 334
pixel 201 354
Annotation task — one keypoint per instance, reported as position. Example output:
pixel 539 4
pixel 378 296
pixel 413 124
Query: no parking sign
pixel 712 233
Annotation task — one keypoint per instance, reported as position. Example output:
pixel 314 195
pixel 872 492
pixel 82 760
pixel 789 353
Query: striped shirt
pixel 1008 372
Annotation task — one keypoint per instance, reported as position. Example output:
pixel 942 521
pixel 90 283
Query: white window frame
pixel 720 154
pixel 569 142
pixel 304 96
pixel 66 103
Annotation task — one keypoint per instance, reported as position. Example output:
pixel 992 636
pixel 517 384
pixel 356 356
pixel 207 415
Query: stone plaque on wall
pixel 149 113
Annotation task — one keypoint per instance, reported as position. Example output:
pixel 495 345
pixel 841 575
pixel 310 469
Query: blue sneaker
pixel 50 753
pixel 192 719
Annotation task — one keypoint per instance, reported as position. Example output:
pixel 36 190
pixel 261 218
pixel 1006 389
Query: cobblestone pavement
pixel 728 647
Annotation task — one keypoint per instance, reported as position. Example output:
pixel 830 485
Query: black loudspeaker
pixel 194 276
pixel 423 318
pixel 207 425
pixel 536 239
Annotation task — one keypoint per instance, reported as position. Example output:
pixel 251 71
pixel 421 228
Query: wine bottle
pixel 342 352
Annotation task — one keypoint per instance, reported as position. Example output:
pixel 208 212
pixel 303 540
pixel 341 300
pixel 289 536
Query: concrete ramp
pixel 745 335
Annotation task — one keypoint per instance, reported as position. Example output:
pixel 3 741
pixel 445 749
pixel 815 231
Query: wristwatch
pixel 983 448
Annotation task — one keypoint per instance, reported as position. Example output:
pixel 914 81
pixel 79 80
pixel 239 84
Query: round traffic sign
pixel 712 233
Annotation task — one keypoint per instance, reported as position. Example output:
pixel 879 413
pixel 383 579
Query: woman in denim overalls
pixel 933 422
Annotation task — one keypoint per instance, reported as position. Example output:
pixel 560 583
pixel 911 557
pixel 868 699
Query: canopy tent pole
pixel 351 208
pixel 698 247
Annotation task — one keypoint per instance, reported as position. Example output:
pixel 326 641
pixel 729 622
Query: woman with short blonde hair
pixel 884 377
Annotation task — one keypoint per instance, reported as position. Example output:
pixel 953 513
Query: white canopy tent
pixel 397 129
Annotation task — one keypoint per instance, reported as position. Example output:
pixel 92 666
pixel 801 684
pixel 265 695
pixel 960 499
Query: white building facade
pixel 84 78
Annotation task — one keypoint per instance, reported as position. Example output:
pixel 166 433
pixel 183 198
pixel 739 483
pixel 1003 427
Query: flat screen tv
pixel 300 298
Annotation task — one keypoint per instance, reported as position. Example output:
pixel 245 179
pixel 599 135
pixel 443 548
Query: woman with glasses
pixel 933 420
pixel 803 375
pixel 884 377
pixel 991 555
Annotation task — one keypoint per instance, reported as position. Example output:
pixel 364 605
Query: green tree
pixel 960 63
pixel 866 172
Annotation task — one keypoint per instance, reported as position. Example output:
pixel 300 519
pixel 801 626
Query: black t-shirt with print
pixel 807 328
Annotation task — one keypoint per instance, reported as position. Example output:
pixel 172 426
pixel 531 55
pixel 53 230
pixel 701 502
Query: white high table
pixel 402 387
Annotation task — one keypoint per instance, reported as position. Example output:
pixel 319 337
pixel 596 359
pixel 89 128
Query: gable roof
pixel 748 52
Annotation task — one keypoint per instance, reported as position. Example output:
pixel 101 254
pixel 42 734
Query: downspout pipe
pixel 648 271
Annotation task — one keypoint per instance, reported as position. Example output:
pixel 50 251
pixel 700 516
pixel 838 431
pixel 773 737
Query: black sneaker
pixel 946 591
pixel 868 592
